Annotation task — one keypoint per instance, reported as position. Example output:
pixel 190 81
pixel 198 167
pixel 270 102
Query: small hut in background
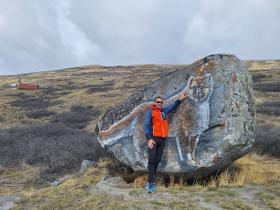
pixel 25 86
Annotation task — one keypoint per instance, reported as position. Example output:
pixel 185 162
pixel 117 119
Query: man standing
pixel 156 132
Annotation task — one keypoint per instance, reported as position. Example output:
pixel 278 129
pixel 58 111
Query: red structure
pixel 26 86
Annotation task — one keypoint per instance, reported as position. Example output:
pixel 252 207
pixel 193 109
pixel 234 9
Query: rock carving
pixel 207 131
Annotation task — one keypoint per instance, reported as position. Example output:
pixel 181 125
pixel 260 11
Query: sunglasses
pixel 159 102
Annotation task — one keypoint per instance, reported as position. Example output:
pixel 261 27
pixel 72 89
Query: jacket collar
pixel 154 107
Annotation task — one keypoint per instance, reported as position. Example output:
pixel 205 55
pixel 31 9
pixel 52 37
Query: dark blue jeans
pixel 154 157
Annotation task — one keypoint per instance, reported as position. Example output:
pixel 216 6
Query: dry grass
pixel 61 90
pixel 63 196
pixel 260 65
pixel 13 180
pixel 76 192
pixel 271 200
pixel 256 169
pixel 73 193
pixel 250 169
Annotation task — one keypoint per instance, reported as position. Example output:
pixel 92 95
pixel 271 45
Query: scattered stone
pixel 86 164
pixel 57 182
pixel 8 201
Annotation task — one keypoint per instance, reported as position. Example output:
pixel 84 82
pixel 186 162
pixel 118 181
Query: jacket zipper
pixel 162 127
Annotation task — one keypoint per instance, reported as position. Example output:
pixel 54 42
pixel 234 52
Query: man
pixel 156 132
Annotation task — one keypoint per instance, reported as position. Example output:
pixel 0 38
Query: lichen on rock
pixel 209 130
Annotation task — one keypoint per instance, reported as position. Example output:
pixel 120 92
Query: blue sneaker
pixel 147 185
pixel 151 188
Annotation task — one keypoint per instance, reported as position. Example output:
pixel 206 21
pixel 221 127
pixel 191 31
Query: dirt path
pixel 224 198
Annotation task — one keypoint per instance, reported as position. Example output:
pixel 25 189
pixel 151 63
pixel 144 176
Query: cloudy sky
pixel 40 35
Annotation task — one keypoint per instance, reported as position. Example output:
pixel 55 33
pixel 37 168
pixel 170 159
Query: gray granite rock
pixel 8 201
pixel 86 164
pixel 209 130
pixel 57 182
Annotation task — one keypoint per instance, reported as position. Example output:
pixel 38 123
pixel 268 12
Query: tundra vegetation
pixel 47 133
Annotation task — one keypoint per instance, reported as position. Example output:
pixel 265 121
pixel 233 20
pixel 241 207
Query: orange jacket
pixel 159 122
pixel 156 123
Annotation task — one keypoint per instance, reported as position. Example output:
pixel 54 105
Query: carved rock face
pixel 210 129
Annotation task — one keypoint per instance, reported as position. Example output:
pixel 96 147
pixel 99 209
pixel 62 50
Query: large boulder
pixel 209 130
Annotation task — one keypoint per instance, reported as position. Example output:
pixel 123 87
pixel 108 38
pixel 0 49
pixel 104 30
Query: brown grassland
pixel 46 134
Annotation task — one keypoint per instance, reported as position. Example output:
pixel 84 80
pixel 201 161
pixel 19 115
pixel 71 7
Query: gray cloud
pixel 56 34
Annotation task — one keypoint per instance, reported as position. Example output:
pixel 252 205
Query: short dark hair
pixel 158 97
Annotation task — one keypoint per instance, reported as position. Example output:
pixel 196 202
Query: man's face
pixel 159 102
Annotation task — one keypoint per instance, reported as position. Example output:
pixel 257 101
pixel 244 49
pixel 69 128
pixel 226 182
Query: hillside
pixel 47 133
pixel 77 97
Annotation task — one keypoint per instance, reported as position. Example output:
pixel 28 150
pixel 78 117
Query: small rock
pixel 57 182
pixel 8 201
pixel 86 164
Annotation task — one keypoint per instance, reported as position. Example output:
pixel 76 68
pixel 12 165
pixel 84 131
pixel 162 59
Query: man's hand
pixel 103 134
pixel 151 143
pixel 183 95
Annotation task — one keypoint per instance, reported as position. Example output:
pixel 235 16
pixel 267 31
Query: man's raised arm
pixel 172 106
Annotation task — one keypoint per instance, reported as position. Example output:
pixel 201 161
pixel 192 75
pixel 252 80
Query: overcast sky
pixel 40 35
